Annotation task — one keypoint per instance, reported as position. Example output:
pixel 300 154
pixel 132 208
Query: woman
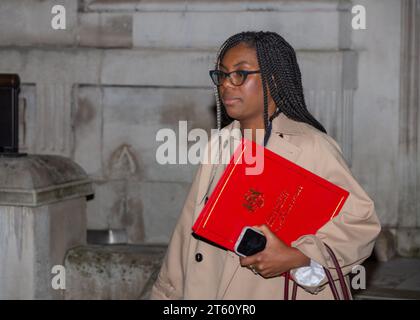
pixel 258 84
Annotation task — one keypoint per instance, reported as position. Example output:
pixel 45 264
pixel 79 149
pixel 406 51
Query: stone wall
pixel 99 91
pixel 112 272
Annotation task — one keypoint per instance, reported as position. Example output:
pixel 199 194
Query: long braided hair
pixel 279 69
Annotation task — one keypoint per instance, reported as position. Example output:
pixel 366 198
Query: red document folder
pixel 289 199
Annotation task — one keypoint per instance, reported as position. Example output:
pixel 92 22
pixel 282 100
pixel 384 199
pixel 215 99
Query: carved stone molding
pixel 53 118
pixel 334 109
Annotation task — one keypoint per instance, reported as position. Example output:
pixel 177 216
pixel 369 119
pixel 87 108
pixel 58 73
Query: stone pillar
pixel 42 216
pixel 408 235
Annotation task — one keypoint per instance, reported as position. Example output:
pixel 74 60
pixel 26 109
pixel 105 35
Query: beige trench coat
pixel 219 275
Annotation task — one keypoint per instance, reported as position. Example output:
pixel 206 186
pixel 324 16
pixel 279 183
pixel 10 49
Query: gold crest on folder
pixel 254 200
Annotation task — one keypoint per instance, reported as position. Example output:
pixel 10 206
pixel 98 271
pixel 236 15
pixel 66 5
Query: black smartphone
pixel 250 242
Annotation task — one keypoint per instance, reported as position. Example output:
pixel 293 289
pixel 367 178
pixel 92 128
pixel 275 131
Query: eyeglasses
pixel 237 77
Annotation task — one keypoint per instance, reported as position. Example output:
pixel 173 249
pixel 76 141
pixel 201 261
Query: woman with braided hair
pixel 258 85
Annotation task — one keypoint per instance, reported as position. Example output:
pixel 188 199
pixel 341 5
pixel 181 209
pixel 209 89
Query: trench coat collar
pixel 279 142
pixel 280 125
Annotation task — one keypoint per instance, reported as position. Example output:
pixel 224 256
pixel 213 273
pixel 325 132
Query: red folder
pixel 289 199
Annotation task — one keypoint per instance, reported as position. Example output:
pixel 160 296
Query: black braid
pixel 279 70
pixel 264 83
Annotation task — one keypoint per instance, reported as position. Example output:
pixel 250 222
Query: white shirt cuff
pixel 310 276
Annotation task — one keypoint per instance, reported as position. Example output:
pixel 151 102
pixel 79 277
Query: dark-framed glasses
pixel 237 77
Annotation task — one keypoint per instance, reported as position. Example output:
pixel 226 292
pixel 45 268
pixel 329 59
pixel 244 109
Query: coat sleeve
pixel 352 233
pixel 170 280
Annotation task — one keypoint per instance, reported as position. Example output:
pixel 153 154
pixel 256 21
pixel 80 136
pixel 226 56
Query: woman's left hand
pixel 276 258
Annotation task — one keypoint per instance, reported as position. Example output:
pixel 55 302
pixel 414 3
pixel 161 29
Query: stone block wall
pixel 99 91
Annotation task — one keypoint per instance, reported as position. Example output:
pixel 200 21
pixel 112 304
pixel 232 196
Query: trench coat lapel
pixel 211 165
pixel 282 130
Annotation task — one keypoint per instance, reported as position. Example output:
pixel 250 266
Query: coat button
pixel 198 257
pixel 207 199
